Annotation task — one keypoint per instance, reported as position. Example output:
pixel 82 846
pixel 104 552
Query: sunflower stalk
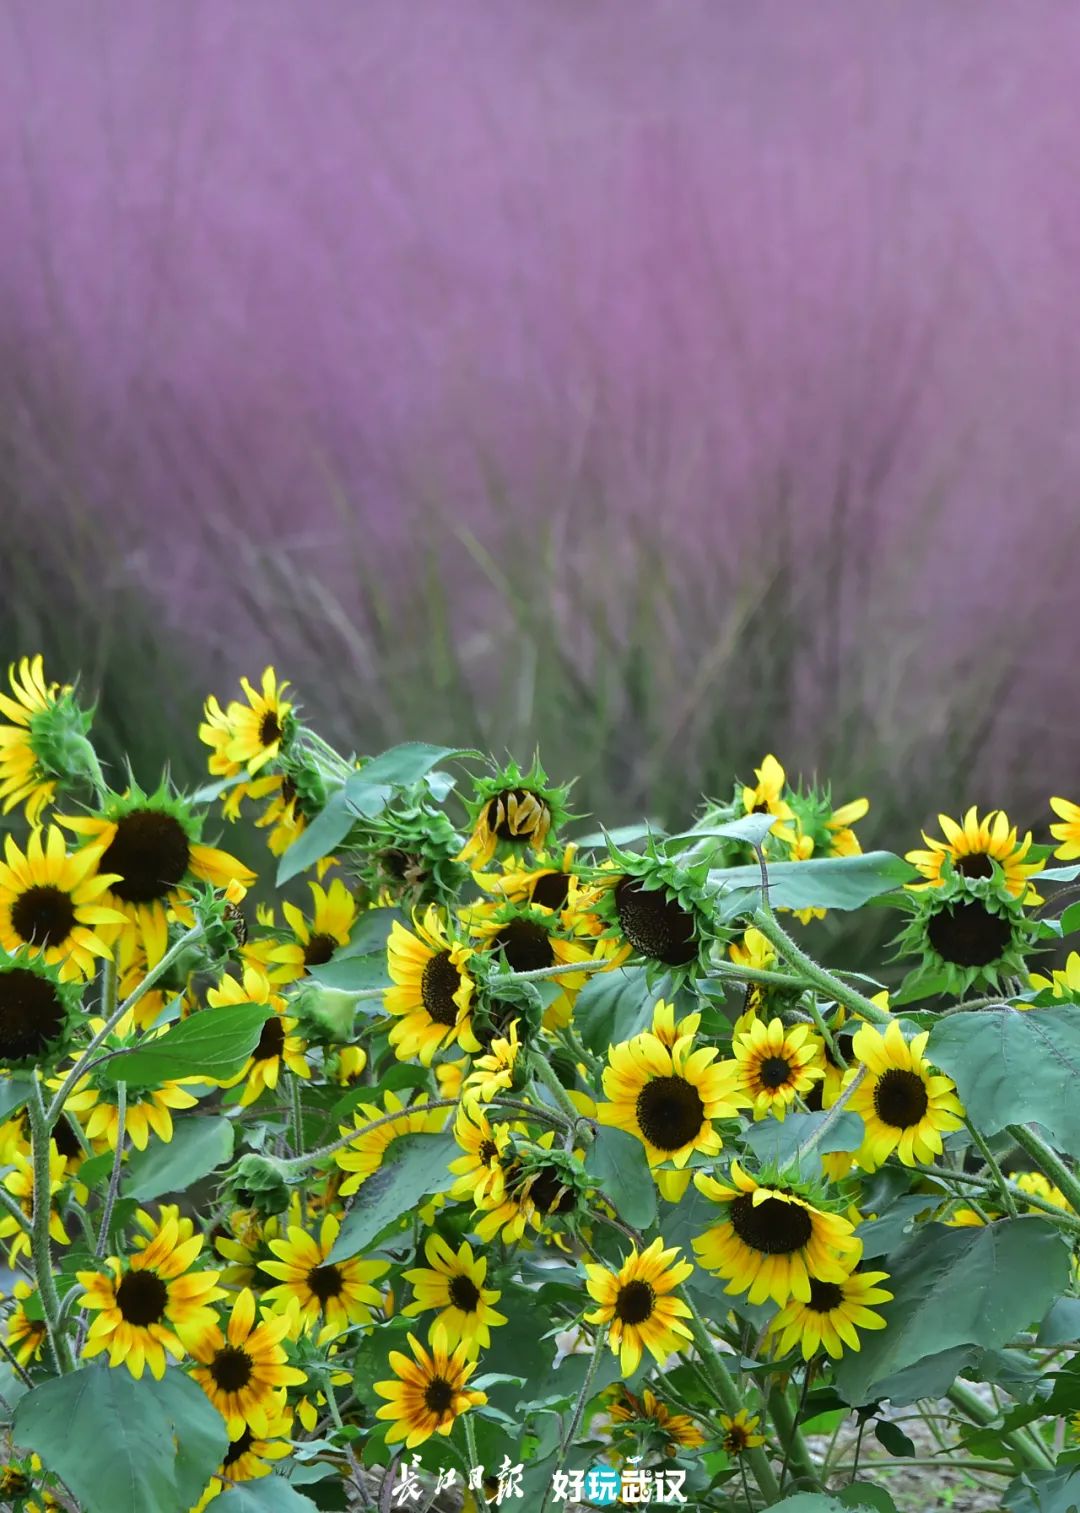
pixel 1021 1442
pixel 299 1163
pixel 723 1385
pixel 736 972
pixel 796 1451
pixel 188 939
pixel 817 975
pixel 544 1073
pixel 579 1410
pixel 1060 1174
pixel 987 1185
pixel 817 1135
pixel 114 1179
pixel 1008 1202
pixel 41 1251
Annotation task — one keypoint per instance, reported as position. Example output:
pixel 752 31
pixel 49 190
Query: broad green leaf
pixel 143 1446
pixel 414 1166
pixel 354 974
pixel 214 1044
pixel 882 1236
pixel 751 829
pixel 892 1438
pixel 865 1494
pixel 829 882
pixel 1044 1492
pixel 14 1092
pixel 932 1376
pixel 776 1142
pixel 404 765
pixel 1070 919
pixel 326 832
pixel 370 933
pixel 956 1287
pixel 617 1162
pixel 1014 1065
pixel 1061 1325
pixel 810 1502
pixel 612 1006
pixel 270 1494
pixel 198 1146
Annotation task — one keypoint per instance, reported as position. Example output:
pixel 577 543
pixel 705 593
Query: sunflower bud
pixel 326 1015
pixel 260 1182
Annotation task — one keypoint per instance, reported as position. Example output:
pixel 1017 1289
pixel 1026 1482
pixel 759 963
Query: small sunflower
pixel 367 1152
pixel 453 1282
pixel 740 1432
pixel 51 904
pixel 541 1186
pixel 972 847
pixel 771 1241
pixel 20 1184
pixel 904 1104
pixel 149 845
pixel 250 1457
pixel 1068 833
pixel 247 736
pixel 242 1370
pixel 26 1335
pixel 338 1292
pixel 279 1047
pixel 150 1305
pixel 532 939
pixel 777 1063
pixel 243 1240
pixel 44 722
pixel 432 993
pixel 480 1171
pixel 511 811
pixel 499 1069
pixel 828 1319
pixel 669 1097
pixel 636 1303
pixel 1063 982
pixel 678 1429
pixel 148 1111
pixel 427 1393
pixel 314 943
pixel 767 795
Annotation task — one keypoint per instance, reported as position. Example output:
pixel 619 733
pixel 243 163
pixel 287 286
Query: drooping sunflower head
pixel 43 742
pixel 38 1013
pixel 967 932
pixel 408 856
pixel 638 1306
pixel 648 1414
pixel 149 845
pixel 978 848
pixel 770 1239
pixel 511 811
pixel 904 1104
pixel 528 938
pixel 656 910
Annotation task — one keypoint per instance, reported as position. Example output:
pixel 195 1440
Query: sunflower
pixel 1067 833
pixel 152 1304
pixel 242 1370
pixel 539 1185
pixel 51 904
pixel 243 1240
pixel 25 1335
pixel 428 1392
pixel 827 1320
pixel 771 1241
pixel 678 1429
pixel 1063 982
pixel 665 1026
pixel 904 1104
pixel 510 811
pixel 767 796
pixel 740 1432
pixel 367 1152
pixel 20 1184
pixel 27 776
pixel 636 1302
pixel 149 844
pixel 777 1063
pixel 247 736
pixel 432 993
pixel 148 1111
pixel 480 1171
pixel 966 932
pixel 249 1457
pixel 531 939
pixel 314 943
pixel 498 1069
pixel 972 847
pixel 551 883
pixel 668 1097
pixel 338 1292
pixel 453 1282
pixel 37 1013
pixel 278 1046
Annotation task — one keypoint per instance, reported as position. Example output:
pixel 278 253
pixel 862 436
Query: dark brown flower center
pixel 238 1447
pixel 441 980
pixel 772 1227
pixel 464 1293
pixel 977 864
pixel 319 950
pixel 900 1098
pixel 968 934
pixel 669 1112
pixel 487 1153
pixel 552 890
pixel 634 1302
pixel 235 916
pixel 141 1298
pixel 774 1072
pixel 438 1396
pixel 151 852
pixel 526 946
pixel 497 815
pixel 326 1282
pixel 735 1438
pixel 271 1041
pixel 31 1014
pixel 231 1369
pixel 43 915
pixel 657 926
pixel 269 729
pixel 548 1190
pixel 67 1141
pixel 825 1296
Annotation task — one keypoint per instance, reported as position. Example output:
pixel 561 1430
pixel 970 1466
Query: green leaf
pixel 829 882
pixel 198 1146
pixel 612 1006
pixel 1044 1492
pixel 622 835
pixel 956 1287
pixel 214 1043
pixel 617 1162
pixel 143 1446
pixel 414 1166
pixel 325 833
pixel 751 828
pixel 404 765
pixel 810 1502
pixel 893 1438
pixel 1061 1325
pixel 370 933
pixel 864 1494
pixel 1070 919
pixel 776 1142
pixel 354 974
pixel 270 1494
pixel 13 1094
pixel 1013 1065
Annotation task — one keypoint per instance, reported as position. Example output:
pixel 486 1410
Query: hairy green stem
pixel 817 1135
pixel 114 1179
pixel 738 973
pixel 851 998
pixel 579 1410
pixel 39 1240
pixel 797 1452
pixel 544 1073
pixel 993 1168
pixel 299 1163
pixel 1050 1162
